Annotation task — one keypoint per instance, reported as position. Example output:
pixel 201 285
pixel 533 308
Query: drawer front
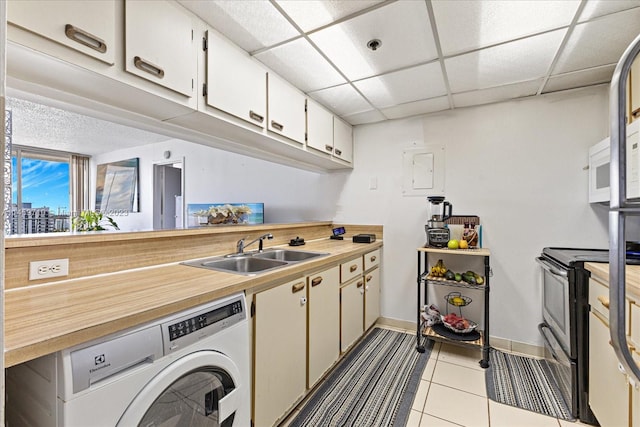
pixel 372 259
pixel 350 269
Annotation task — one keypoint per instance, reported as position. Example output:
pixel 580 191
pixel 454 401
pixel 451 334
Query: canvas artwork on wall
pixel 117 186
pixel 205 214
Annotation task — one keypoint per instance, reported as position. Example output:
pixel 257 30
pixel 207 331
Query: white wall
pixel 518 165
pixel 216 176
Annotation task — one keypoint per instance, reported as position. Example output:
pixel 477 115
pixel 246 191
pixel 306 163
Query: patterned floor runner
pixel 374 385
pixel 525 383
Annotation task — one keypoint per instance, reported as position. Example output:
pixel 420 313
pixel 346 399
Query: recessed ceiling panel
pixel 343 100
pixel 582 78
pixel 312 14
pixel 416 108
pixel 372 116
pixel 596 8
pixel 522 60
pixel 402 27
pixel 252 25
pixel 302 65
pixel 471 24
pixel 412 84
pixel 599 42
pixel 496 94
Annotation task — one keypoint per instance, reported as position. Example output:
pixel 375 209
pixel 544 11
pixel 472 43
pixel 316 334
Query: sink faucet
pixel 241 245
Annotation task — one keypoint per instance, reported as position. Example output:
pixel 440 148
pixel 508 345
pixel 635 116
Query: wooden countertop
pixel 42 319
pixel 601 272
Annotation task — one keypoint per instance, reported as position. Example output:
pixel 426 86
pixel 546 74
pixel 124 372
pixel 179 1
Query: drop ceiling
pixel 434 55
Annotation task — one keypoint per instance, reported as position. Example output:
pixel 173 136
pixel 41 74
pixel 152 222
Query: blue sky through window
pixel 44 183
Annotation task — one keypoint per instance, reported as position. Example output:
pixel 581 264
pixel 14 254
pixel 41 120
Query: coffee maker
pixel 437 231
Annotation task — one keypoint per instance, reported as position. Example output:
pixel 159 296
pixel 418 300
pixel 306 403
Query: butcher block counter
pixel 601 272
pixel 46 317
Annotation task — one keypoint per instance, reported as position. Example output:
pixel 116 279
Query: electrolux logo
pixel 98 360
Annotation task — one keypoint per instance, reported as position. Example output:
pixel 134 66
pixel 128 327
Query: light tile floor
pixel 452 392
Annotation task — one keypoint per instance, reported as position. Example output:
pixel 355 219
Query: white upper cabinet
pixel 342 140
pixel 286 109
pixel 159 44
pixel 319 128
pixel 86 26
pixel 236 84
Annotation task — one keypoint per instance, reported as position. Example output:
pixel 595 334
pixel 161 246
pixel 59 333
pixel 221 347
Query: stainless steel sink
pixel 250 264
pixel 288 255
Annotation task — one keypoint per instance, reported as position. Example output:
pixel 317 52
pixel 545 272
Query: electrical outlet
pixel 47 269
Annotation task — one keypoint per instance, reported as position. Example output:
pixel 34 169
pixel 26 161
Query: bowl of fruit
pixel 458 324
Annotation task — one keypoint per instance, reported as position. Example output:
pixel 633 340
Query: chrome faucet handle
pixel 240 245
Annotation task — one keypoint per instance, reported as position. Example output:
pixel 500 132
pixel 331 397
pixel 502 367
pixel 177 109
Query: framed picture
pixel 117 186
pixel 225 213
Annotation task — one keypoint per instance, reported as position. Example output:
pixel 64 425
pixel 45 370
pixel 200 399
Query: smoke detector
pixel 374 44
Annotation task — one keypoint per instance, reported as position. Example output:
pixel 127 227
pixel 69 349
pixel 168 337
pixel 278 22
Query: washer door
pixel 197 390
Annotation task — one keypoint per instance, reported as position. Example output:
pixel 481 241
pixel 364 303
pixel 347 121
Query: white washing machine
pixel 189 369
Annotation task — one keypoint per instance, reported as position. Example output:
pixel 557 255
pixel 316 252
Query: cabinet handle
pixel 353 268
pixel 328 148
pixel 276 125
pixel 604 301
pixel 297 287
pixel 148 67
pixel 636 112
pixel 338 152
pixel 369 278
pixel 373 258
pixel 255 116
pixel 360 284
pixel 84 38
pixel 316 281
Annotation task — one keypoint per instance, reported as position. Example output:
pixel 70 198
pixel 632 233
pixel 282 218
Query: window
pixel 40 200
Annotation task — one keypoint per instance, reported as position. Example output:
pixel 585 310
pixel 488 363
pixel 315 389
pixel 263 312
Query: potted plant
pixel 92 221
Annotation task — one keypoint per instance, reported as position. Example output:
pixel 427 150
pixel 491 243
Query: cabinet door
pixel 324 322
pixel 351 313
pixel 371 297
pixel 86 26
pixel 280 350
pixel 342 140
pixel 235 83
pixel 319 128
pixel 608 389
pixel 286 109
pixel 159 44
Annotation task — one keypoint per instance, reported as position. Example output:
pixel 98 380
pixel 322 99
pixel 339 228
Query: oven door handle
pixel 551 268
pixel 553 345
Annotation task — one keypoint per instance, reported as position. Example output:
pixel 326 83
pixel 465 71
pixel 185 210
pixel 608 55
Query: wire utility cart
pixel 477 338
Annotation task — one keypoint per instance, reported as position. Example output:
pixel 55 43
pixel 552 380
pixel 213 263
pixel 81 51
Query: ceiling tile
pixel 252 25
pixel 312 14
pixel 421 82
pixel 416 108
pixel 596 8
pixel 594 43
pixel 372 116
pixel 345 43
pixel 471 24
pixel 496 94
pixel 522 60
pixel 581 78
pixel 302 65
pixel 343 100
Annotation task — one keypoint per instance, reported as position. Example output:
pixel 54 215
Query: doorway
pixel 168 191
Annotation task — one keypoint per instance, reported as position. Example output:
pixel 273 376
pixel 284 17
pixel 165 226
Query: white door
pixel 201 388
pixel 342 140
pixel 319 128
pixel 371 297
pixel 286 109
pixel 167 189
pixel 351 313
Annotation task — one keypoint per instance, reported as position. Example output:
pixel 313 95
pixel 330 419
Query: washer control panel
pixel 221 314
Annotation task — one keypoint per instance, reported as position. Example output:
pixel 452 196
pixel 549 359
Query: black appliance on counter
pixel 565 326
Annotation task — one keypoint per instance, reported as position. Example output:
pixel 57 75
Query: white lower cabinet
pixel 351 312
pixel 608 388
pixel 371 297
pixel 324 322
pixel 280 350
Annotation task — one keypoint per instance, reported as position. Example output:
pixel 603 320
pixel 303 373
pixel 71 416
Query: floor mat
pixel 374 385
pixel 526 383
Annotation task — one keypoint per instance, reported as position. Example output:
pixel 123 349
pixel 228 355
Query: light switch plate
pixel 49 268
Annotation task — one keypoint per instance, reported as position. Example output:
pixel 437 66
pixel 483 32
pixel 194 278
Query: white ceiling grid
pixel 490 50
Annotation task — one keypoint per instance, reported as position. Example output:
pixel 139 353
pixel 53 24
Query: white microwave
pixel 600 162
